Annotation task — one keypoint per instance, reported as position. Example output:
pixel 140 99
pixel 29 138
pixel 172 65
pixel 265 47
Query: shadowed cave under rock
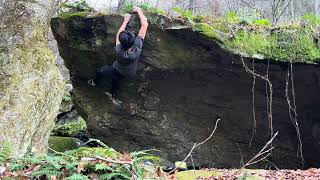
pixel 185 82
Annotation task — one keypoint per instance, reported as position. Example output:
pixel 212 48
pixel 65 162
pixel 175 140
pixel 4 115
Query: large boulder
pixel 31 86
pixel 186 81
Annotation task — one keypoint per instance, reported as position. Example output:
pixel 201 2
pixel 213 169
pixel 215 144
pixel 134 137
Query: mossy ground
pixel 245 174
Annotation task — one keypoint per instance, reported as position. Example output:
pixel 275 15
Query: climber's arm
pixel 143 22
pixel 123 27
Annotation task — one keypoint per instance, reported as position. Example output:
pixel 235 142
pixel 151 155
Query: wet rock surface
pixel 186 81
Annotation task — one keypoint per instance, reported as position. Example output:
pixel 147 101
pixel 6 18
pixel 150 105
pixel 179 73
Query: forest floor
pixel 246 174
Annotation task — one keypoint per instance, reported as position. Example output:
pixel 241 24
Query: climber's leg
pixel 115 81
pixel 101 72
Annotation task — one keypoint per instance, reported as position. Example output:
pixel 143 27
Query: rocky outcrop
pixel 186 81
pixel 31 86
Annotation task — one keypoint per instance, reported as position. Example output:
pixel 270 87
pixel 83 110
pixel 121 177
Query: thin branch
pixel 107 160
pixel 196 145
pixel 253 106
pixel 263 151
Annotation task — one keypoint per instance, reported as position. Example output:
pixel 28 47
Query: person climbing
pixel 128 50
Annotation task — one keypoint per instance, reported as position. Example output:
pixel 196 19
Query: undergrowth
pixel 81 164
pixel 146 7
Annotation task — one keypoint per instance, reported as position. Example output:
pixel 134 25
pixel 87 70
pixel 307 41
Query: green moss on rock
pixel 259 39
pixel 71 128
pixel 62 144
pixel 66 15
pixel 92 152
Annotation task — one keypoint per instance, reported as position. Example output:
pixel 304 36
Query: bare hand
pixel 136 9
pixel 127 17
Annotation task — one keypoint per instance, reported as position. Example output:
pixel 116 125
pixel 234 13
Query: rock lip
pixel 186 81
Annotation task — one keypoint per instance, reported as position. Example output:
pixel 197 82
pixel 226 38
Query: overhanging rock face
pixel 184 84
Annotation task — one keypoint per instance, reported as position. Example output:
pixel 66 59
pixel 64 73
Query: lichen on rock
pixel 31 86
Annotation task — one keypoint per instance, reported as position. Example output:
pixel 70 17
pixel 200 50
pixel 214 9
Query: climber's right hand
pixel 127 17
pixel 136 9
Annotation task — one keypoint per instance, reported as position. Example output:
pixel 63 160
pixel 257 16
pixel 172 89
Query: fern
pixel 5 152
pixel 115 176
pixel 47 171
pixel 16 166
pixel 29 159
pixel 102 167
pixel 77 177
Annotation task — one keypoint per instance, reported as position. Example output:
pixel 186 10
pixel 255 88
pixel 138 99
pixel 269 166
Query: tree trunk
pixel 191 5
pixel 120 5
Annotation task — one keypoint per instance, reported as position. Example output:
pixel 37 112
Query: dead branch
pixel 261 154
pixel 113 161
pixel 196 145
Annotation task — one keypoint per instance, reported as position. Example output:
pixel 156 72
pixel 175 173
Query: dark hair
pixel 126 39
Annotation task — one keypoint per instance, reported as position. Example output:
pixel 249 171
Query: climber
pixel 128 50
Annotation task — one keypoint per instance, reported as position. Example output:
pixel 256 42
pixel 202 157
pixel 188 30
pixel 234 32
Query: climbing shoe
pixel 114 100
pixel 91 83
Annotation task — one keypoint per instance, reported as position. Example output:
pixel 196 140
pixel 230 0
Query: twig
pixel 113 161
pixel 196 145
pixel 133 172
pixel 253 106
pixel 260 155
pixel 95 140
pixel 263 151
pixel 241 157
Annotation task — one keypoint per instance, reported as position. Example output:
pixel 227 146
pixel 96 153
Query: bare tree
pixel 121 3
pixel 278 7
pixel 191 5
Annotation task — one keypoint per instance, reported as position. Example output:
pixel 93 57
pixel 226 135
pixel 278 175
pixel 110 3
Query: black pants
pixel 116 77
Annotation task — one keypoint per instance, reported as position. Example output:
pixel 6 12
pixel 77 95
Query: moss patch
pixel 244 174
pixel 283 43
pixel 194 174
pixel 66 15
pixel 70 128
pixel 92 152
pixel 62 144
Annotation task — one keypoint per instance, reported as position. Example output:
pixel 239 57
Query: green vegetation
pixel 146 7
pixel 83 163
pixel 258 38
pixel 62 144
pixel 66 15
pixel 71 127
pixel 187 14
pixel 194 174
pixel 311 19
pixel 5 151
pixel 77 6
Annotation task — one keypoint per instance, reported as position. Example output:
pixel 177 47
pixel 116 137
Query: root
pixel 269 93
pixel 293 109
pixel 253 106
